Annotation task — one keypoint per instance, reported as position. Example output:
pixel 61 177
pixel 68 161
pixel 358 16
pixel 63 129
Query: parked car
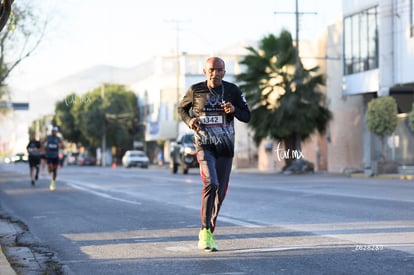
pixel 71 158
pixel 20 157
pixel 85 160
pixel 135 158
pixel 183 154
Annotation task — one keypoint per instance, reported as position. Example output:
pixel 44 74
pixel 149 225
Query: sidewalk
pixel 5 268
pixel 19 252
pixel 5 229
pixel 22 254
pixel 384 176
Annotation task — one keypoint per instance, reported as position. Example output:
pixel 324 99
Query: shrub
pixel 381 118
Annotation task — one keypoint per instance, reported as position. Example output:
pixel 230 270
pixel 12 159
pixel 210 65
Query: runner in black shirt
pixel 52 144
pixel 33 149
pixel 209 109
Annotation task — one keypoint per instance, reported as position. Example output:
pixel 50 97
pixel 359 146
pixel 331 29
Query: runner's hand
pixel 228 107
pixel 194 124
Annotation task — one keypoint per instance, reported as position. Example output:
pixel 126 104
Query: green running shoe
pixel 204 239
pixel 52 186
pixel 212 241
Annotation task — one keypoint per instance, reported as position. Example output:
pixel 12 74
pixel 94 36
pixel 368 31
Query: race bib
pixel 211 120
pixel 52 146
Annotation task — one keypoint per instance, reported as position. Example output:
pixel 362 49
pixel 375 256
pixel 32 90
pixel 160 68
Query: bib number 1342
pixel 211 120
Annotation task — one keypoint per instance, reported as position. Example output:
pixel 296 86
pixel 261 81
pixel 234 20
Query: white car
pixel 136 158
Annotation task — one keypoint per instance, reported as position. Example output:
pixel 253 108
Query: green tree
pixel 121 114
pixel 19 38
pixel 286 102
pixel 89 118
pixel 64 117
pixel 381 118
pixel 110 110
pixel 39 126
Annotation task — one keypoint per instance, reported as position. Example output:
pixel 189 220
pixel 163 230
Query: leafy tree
pixel 19 38
pixel 111 109
pixel 381 118
pixel 286 102
pixel 121 112
pixel 89 118
pixel 39 126
pixel 64 117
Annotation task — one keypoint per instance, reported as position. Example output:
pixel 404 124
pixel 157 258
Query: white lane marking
pixel 97 193
pixel 81 186
pixel 240 222
pixel 271 249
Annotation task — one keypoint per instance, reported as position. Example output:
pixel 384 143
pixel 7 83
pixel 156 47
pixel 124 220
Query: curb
pixel 5 267
pixel 383 176
pixel 20 254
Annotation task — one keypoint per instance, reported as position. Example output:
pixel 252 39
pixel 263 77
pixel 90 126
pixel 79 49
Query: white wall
pixel 403 44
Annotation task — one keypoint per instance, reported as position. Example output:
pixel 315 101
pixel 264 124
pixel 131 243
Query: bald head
pixel 214 71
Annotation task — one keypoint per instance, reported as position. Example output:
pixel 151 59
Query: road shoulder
pixel 21 253
pixel 5 231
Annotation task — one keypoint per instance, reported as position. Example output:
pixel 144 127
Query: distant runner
pixel 52 144
pixel 33 149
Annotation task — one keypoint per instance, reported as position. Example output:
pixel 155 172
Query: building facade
pixel 160 92
pixel 370 52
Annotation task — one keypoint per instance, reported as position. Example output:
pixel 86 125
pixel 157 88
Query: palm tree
pixel 285 99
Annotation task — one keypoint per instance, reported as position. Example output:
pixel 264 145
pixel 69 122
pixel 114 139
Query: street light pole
pixel 297 61
pixel 177 64
pixel 297 13
pixel 177 76
pixel 103 157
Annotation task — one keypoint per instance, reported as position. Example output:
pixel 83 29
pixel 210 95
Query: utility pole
pixel 177 68
pixel 177 60
pixel 297 14
pixel 103 153
pixel 297 61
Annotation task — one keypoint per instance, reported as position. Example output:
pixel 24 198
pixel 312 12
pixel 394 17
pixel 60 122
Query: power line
pixel 297 14
pixel 177 57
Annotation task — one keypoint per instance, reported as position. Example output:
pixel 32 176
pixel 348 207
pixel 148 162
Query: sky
pixel 84 33
pixel 124 33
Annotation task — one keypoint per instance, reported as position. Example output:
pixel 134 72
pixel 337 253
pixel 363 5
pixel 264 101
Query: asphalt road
pixel 146 221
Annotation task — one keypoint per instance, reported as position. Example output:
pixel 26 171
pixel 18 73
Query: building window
pixel 361 41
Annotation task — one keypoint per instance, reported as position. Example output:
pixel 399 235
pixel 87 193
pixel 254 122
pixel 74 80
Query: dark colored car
pixel 183 154
pixel 85 160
